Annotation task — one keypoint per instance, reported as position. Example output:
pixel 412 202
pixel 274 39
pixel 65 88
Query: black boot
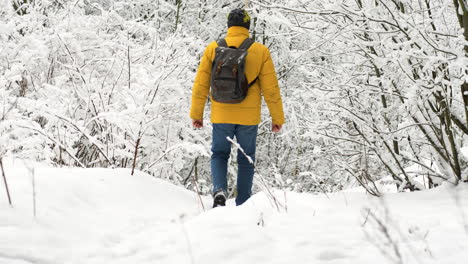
pixel 219 199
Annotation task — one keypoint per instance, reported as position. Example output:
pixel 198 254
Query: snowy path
pixel 108 216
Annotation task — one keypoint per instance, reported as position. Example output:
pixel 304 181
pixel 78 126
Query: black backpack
pixel 228 81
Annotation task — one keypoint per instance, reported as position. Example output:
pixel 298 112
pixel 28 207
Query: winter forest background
pixel 375 91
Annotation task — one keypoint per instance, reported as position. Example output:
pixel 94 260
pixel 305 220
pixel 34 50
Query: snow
pixel 109 216
pixel 464 151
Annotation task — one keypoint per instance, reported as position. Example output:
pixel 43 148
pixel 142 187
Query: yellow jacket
pixel 258 63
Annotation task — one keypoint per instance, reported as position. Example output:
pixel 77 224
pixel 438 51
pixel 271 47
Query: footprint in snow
pixel 331 255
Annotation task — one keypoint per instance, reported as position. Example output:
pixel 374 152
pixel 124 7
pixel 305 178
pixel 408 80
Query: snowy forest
pixel 375 91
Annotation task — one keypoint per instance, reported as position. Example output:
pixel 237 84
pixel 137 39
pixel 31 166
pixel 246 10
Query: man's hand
pixel 276 128
pixel 197 123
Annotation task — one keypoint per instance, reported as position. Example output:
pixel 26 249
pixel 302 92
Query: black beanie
pixel 239 17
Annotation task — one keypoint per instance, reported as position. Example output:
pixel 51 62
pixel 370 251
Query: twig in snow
pixel 388 239
pixel 285 201
pixel 458 202
pixel 367 216
pixel 261 221
pixel 189 245
pixel 5 181
pixel 194 182
pixel 34 192
pixel 275 202
pixel 346 199
pixel 32 171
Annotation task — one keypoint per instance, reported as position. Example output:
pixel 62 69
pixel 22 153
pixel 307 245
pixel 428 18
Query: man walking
pixel 230 117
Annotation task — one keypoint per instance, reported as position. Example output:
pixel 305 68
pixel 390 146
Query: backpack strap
pixel 247 43
pixel 252 83
pixel 222 43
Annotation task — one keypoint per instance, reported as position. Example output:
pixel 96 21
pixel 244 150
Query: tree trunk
pixel 179 5
pixel 460 5
pixel 137 145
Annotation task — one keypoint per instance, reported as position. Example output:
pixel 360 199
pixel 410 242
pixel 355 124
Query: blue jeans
pixel 221 148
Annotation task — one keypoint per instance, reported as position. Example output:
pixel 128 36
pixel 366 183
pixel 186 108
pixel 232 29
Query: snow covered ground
pixel 107 216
